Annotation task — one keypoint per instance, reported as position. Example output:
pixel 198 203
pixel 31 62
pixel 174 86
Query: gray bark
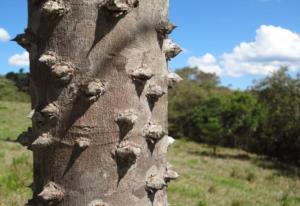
pixel 99 82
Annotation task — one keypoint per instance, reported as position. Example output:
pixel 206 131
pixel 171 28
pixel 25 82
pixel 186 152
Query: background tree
pixel 99 81
pixel 207 118
pixel 20 79
pixel 242 115
pixel 279 134
pixel 195 88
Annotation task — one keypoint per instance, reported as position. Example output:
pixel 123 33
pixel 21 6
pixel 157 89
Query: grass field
pixel 15 161
pixel 231 178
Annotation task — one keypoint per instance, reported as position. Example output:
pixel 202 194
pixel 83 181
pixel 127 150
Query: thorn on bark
pixel 171 140
pixel 126 119
pixel 142 74
pixel 83 143
pixel 56 8
pixel 171 49
pixel 170 173
pixel 25 137
pixel 173 79
pixel 98 203
pixel 93 90
pixel 52 192
pixel 155 183
pixel 164 28
pixel 165 143
pixel 64 72
pixel 127 151
pixel 119 8
pixel 24 40
pixel 43 141
pixel 49 58
pixel 51 111
pixel 31 113
pixel 153 133
pixel 37 118
pixel 154 92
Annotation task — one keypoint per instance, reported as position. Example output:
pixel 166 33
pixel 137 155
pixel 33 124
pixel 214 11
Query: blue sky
pixel 240 40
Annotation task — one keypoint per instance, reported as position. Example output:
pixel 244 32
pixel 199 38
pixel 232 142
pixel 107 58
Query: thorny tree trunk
pixel 99 82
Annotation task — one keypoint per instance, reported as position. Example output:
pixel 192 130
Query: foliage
pixel 187 97
pixel 280 132
pixel 199 108
pixel 265 119
pixel 20 79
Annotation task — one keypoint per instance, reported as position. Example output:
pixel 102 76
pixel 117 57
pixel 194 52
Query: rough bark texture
pixel 99 82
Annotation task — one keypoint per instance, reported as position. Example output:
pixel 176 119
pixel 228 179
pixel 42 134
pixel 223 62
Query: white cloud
pixel 19 59
pixel 206 63
pixel 272 48
pixel 4 35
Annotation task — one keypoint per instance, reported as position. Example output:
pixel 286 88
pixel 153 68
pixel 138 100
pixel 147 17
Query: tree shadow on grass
pixel 219 155
pixel 282 169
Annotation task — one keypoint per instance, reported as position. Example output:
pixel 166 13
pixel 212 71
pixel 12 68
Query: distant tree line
pixel 264 119
pixel 20 80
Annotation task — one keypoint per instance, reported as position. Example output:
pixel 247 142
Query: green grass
pixel 13 119
pixel 231 178
pixel 15 166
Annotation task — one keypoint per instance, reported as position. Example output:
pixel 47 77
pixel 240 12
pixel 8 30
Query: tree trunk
pixel 99 82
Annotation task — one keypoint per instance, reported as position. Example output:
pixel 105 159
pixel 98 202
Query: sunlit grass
pixel 231 178
pixel 15 161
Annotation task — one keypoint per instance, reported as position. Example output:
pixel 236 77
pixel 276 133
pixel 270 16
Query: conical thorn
pixel 63 72
pixel 127 151
pixel 155 183
pixel 171 49
pixel 49 58
pixel 93 90
pixel 25 137
pixel 119 8
pixel 171 140
pixel 52 192
pixel 165 27
pixel 37 118
pixel 55 8
pixel 173 79
pixel 24 40
pixel 127 118
pixel 51 111
pixel 170 175
pixel 44 140
pixel 153 132
pixel 154 92
pixel 142 74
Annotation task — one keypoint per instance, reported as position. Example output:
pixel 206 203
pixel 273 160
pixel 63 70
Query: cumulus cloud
pixel 272 48
pixel 19 59
pixel 4 35
pixel 206 63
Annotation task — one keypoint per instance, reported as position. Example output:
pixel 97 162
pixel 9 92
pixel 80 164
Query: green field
pixel 15 161
pixel 231 178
